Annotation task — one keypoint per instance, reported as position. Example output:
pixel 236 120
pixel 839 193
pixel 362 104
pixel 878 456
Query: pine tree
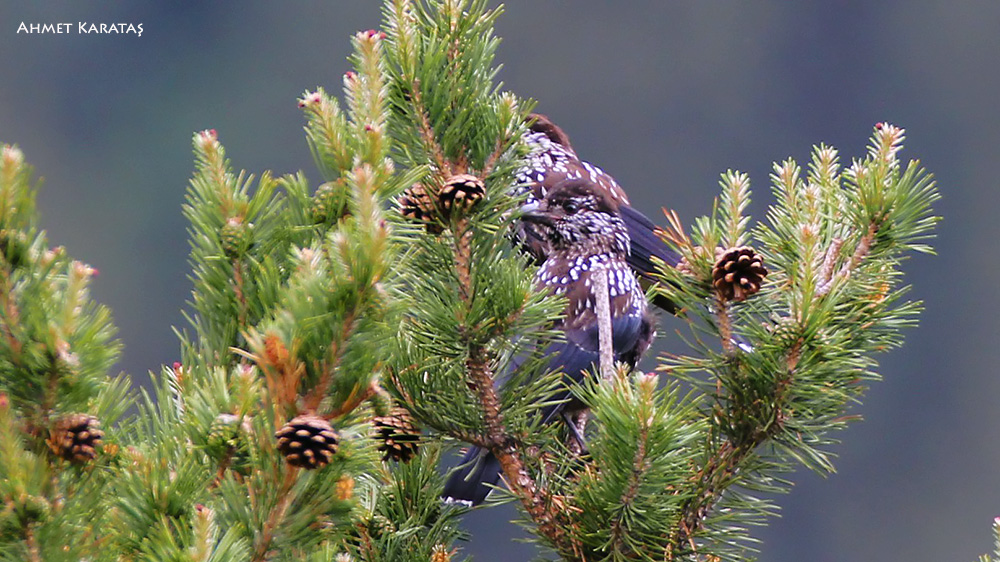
pixel 343 338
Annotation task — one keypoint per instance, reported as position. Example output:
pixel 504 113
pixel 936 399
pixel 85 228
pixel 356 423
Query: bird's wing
pixel 646 244
pixel 645 248
pixel 574 361
pixel 579 354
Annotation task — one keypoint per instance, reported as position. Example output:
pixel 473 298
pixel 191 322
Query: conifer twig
pixel 725 325
pixel 238 288
pixel 34 553
pixel 351 403
pixel 498 441
pixel 337 346
pixel 712 479
pixel 826 274
pixel 426 132
pixel 10 315
pixel 277 514
pixel 618 526
pixel 463 259
pixel 603 305
pixel 504 448
pixel 860 253
pixel 491 161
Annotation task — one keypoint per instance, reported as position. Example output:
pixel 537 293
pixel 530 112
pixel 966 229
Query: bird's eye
pixel 571 206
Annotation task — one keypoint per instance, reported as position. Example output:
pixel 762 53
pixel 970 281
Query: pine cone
pixel 224 433
pixel 398 435
pixel 460 193
pixel 234 237
pixel 416 204
pixel 228 437
pixel 329 203
pixel 786 332
pixel 684 266
pixel 738 273
pixel 14 247
pixel 75 437
pixel 307 441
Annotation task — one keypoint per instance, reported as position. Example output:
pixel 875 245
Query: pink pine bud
pixel 312 98
pixel 647 382
pixel 12 156
pixel 48 256
pixel 208 139
pixel 177 365
pixel 65 355
pixel 82 270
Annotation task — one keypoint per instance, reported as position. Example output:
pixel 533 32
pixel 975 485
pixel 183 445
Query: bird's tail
pixel 647 245
pixel 473 480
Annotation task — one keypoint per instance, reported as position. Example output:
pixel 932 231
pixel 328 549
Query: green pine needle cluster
pixel 778 371
pixel 394 285
pixel 996 544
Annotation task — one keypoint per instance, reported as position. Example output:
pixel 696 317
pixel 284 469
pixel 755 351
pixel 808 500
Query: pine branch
pixel 777 397
pixel 276 516
pixel 603 311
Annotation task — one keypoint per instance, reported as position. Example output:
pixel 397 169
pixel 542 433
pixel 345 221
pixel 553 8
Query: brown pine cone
pixel 460 193
pixel 398 435
pixel 75 437
pixel 738 273
pixel 307 441
pixel 416 204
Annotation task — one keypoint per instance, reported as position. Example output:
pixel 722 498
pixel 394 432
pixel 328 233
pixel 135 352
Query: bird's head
pixel 538 123
pixel 578 217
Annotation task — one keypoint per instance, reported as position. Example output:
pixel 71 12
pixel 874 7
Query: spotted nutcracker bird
pixel 552 160
pixel 582 229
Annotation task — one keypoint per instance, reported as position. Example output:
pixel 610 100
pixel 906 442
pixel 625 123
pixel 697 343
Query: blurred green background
pixel 665 96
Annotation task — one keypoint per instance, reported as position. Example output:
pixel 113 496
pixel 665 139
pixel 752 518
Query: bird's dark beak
pixel 536 214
